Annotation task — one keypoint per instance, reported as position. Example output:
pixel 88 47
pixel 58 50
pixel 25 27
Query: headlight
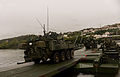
pixel 30 43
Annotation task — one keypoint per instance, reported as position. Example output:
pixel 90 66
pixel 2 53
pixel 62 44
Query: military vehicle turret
pixel 50 46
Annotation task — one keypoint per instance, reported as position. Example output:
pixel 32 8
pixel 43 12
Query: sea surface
pixel 11 57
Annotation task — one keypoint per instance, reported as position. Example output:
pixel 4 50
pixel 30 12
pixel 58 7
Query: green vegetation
pixel 15 43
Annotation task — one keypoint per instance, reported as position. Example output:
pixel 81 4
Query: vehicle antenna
pixel 44 29
pixel 39 23
pixel 43 26
pixel 47 19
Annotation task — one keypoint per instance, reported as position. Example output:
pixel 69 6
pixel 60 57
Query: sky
pixel 18 17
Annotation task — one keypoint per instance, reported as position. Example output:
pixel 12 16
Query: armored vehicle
pixel 111 49
pixel 90 42
pixel 48 47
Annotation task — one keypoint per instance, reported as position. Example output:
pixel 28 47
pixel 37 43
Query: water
pixel 11 57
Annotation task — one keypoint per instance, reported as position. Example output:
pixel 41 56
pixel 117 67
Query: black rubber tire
pixel 56 58
pixel 72 54
pixel 44 59
pixel 36 61
pixel 67 55
pixel 62 56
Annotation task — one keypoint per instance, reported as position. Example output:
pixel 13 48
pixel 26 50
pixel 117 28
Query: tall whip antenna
pixel 39 23
pixel 43 26
pixel 47 19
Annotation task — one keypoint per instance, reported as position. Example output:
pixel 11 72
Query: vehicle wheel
pixel 72 53
pixel 62 56
pixel 67 54
pixel 44 59
pixel 36 61
pixel 56 58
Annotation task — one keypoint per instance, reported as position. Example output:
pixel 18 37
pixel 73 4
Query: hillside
pixel 14 43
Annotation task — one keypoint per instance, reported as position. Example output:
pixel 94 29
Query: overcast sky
pixel 18 17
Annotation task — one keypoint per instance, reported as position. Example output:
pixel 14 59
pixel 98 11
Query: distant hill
pixel 14 43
